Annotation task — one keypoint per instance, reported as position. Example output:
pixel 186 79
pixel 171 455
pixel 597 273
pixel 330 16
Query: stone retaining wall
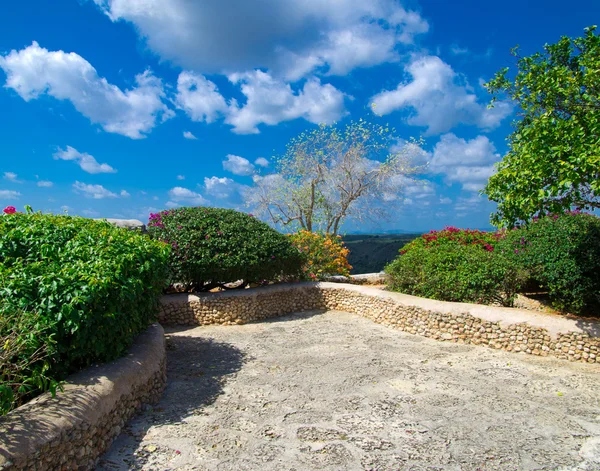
pixel 71 430
pixel 500 328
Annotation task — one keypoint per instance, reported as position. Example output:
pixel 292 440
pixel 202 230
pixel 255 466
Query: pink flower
pixel 10 210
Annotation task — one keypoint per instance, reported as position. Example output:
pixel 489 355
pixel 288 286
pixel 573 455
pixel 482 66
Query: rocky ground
pixel 334 391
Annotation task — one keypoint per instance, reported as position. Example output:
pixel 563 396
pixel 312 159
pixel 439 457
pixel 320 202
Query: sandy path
pixel 334 391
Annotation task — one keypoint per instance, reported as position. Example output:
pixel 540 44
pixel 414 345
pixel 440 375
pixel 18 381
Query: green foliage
pixel 325 254
pixel 562 254
pixel 453 235
pixel 26 347
pixel 91 287
pixel 553 162
pixel 452 271
pixel 213 246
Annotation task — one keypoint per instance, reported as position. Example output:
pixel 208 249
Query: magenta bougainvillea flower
pixel 10 210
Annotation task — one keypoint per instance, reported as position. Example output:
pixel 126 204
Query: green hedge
pixel 93 287
pixel 213 246
pixel 452 271
pixel 562 253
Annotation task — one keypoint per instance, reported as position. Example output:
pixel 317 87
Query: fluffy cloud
pixel 124 194
pixel 189 135
pixel 408 190
pixel 86 161
pixel 223 188
pixel 180 177
pixel 35 71
pixel 179 195
pixel 294 38
pixel 45 184
pixel 199 97
pixel 268 101
pixel 438 100
pixel 238 165
pixel 9 194
pixel 12 177
pixel 261 162
pixel 469 163
pixel 97 192
pixel 271 101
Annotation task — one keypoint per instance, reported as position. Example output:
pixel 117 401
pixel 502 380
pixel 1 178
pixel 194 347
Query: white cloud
pixel 9 194
pixel 271 101
pixel 86 161
pixel 222 188
pixel 293 38
pixel 238 165
pixel 199 97
pixel 408 190
pixel 179 195
pixel 469 163
pixel 445 200
pixel 180 177
pixel 268 100
pixel 45 184
pixel 189 135
pixel 35 71
pixel 124 194
pixel 261 162
pixel 97 192
pixel 12 177
pixel 438 100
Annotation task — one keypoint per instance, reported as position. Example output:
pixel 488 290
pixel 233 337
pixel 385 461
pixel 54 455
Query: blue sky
pixel 119 108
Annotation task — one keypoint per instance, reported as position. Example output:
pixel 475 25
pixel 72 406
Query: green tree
pixel 553 162
pixel 333 173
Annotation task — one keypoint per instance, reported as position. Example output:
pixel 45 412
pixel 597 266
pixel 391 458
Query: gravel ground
pixel 334 391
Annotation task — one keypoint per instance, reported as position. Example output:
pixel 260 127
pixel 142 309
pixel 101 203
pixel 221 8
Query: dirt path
pixel 334 391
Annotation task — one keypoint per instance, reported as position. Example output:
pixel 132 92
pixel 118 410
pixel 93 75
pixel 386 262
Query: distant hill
pixel 369 253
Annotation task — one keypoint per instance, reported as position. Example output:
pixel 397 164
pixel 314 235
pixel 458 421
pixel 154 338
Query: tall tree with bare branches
pixel 334 173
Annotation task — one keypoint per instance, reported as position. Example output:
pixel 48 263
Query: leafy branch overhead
pixel 331 174
pixel 553 162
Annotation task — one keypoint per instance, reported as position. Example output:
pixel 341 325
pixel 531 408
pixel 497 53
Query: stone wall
pixel 500 328
pixel 71 430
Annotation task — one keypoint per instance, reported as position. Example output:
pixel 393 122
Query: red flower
pixel 10 210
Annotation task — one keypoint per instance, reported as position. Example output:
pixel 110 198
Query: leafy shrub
pixel 451 271
pixel 325 254
pixel 91 287
pixel 26 349
pixel 213 246
pixel 562 254
pixel 453 235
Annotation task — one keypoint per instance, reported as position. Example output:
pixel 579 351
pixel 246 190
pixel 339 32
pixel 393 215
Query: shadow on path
pixel 197 370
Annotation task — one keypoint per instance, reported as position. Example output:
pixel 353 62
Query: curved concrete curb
pixel 363 279
pixel 71 430
pixel 501 328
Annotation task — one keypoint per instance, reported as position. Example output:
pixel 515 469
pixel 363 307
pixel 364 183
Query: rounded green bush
pixel 562 254
pixel 451 271
pixel 92 287
pixel 214 246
